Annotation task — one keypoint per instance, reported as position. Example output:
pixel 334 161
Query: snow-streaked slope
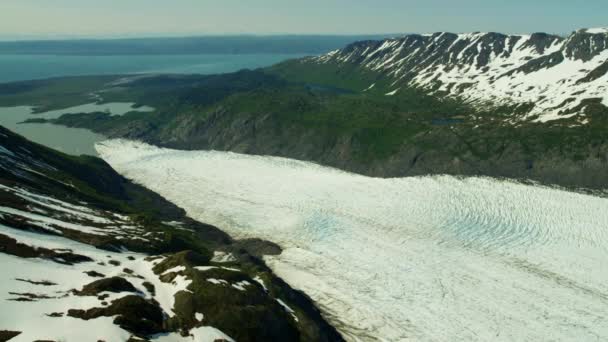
pixel 429 258
pixel 32 318
pixel 59 217
pixel 555 74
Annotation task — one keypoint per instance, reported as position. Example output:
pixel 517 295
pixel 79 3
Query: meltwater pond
pixel 424 258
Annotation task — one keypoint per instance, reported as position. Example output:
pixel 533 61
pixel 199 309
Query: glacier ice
pixel 424 258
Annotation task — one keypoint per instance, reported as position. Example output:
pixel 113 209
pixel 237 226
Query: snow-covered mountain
pixel 554 76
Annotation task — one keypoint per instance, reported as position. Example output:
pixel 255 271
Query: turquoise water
pixel 75 141
pixel 26 67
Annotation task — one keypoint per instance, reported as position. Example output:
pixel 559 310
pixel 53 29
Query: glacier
pixel 423 258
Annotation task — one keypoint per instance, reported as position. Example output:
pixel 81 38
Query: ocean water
pixel 26 67
pixel 420 258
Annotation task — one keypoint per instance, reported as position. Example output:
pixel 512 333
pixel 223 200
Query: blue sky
pixel 42 18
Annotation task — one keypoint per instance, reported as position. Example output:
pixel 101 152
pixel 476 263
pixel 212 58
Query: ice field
pixel 424 259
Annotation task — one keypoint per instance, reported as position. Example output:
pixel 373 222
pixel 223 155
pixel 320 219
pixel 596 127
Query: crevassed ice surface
pixel 428 258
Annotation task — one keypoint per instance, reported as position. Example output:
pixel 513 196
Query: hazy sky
pixel 39 18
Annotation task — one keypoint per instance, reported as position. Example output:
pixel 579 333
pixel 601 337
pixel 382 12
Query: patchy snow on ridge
pixel 487 69
pixel 597 30
pixel 421 258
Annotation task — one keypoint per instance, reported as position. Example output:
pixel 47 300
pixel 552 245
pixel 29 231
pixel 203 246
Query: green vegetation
pixel 54 93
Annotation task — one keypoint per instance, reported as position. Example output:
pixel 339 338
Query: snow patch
pixel 175 269
pixel 222 257
pixel 288 309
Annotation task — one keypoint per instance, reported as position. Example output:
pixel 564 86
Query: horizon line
pixel 128 36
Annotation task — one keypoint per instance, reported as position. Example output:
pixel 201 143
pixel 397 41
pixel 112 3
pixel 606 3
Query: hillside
pixel 87 254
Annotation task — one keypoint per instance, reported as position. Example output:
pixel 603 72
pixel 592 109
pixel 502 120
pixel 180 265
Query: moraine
pixel 424 258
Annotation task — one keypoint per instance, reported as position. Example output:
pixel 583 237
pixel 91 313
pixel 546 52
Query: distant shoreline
pixel 283 44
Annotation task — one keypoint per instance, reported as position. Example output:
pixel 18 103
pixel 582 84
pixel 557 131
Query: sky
pixel 128 18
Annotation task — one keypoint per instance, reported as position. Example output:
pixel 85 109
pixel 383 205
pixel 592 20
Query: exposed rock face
pixel 113 284
pixel 133 313
pixel 8 335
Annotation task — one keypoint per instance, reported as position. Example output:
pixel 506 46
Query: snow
pixel 370 87
pixel 501 82
pixel 48 222
pixel 205 268
pixel 217 281
pixel 175 269
pixel 165 292
pixel 422 258
pixel 50 213
pixel 260 281
pixel 6 151
pixel 199 316
pixel 181 283
pixel 288 309
pixel 201 334
pixel 31 317
pixel 222 257
pixel 392 92
pixel 598 30
pixel 208 268
pixel 57 205
pixel 241 285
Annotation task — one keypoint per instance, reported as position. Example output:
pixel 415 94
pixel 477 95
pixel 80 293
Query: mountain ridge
pixel 554 75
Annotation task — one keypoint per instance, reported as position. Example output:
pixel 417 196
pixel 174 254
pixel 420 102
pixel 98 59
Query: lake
pixel 420 258
pixel 74 141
